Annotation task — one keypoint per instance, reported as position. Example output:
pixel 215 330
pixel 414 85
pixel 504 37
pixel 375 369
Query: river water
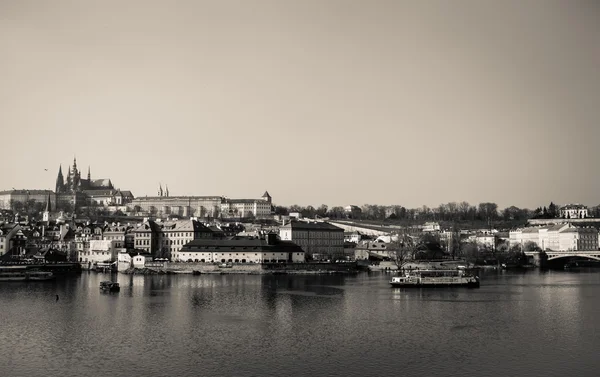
pixel 529 324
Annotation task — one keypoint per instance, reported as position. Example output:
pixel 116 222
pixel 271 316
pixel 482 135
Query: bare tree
pixel 402 250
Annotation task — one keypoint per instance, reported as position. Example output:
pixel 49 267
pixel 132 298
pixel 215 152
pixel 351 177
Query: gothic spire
pixel 48 205
pixel 167 190
pixel 89 175
pixel 60 181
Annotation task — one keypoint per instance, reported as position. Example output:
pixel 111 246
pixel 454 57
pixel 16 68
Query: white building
pixel 241 250
pixel 573 211
pixel 100 251
pixel 560 237
pixel 431 227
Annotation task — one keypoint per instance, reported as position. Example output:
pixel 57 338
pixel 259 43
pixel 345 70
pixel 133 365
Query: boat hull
pixel 435 285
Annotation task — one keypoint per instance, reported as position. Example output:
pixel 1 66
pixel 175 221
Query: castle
pixel 74 183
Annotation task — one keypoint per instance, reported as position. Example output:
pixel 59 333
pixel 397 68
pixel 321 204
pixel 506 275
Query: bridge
pixel 552 255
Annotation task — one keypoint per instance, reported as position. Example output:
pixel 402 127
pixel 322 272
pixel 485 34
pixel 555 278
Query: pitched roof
pixel 200 245
pixel 266 195
pixel 312 226
pixel 183 226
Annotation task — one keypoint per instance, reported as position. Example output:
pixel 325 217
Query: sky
pixel 317 101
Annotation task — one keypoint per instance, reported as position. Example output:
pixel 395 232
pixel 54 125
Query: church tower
pixel 60 181
pixel 69 181
pixel 76 176
pixel 46 214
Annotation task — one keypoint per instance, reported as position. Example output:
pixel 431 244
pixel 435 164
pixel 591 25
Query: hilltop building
pixel 164 205
pixel 573 211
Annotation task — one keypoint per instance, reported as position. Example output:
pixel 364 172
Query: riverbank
pixel 248 269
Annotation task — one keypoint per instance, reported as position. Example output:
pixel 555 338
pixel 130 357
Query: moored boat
pixel 110 286
pixel 435 278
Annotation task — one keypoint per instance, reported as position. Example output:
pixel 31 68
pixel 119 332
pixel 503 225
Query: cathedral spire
pixel 160 190
pixel 60 181
pixel 89 175
pixel 48 205
pixel 167 190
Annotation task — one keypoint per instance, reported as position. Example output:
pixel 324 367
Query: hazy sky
pixel 336 102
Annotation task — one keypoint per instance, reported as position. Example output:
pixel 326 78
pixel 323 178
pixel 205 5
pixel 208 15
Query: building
pixel 431 227
pixel 573 211
pixel 560 237
pixel 164 205
pixel 17 199
pixel 353 211
pixel 115 232
pixel 165 238
pixel 245 208
pixel 75 190
pixel 12 240
pixel 241 250
pixel 100 251
pixel 185 206
pixel 320 240
pixel 174 235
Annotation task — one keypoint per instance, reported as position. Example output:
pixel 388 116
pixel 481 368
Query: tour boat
pixel 110 286
pixel 435 278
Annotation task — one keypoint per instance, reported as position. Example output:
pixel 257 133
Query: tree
pixel 402 250
pixel 322 210
pixel 531 246
pixel 488 211
pixel 471 252
pixel 455 242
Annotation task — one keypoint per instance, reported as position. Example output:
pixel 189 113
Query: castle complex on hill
pixel 74 183
pixel 73 191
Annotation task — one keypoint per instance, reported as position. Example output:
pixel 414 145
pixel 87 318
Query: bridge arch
pixel 555 256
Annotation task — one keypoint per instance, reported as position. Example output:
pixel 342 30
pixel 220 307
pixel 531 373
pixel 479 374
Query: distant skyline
pixel 319 102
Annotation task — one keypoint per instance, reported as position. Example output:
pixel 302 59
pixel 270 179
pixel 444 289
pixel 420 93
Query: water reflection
pixel 321 325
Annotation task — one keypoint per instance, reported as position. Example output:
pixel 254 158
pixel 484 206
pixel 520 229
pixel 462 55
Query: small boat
pixel 110 286
pixel 435 278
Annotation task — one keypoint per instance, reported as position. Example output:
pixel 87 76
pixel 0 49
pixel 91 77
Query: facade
pixel 241 250
pixel 175 234
pixel 573 211
pixel 431 227
pixel 320 240
pixel 12 240
pixel 115 232
pixel 185 206
pixel 165 239
pixel 560 237
pixel 202 206
pixel 8 198
pixel 100 251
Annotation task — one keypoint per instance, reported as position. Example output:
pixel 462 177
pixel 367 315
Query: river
pixel 516 324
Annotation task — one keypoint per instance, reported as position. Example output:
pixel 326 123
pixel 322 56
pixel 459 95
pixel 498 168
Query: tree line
pixel 451 212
